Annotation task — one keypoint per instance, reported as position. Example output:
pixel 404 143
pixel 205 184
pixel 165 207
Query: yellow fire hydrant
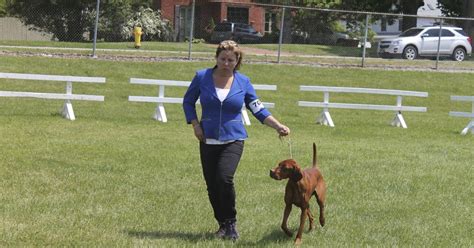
pixel 137 32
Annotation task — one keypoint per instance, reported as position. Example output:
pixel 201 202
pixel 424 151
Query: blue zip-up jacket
pixel 222 121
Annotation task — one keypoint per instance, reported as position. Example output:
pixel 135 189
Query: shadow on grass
pixel 191 237
pixel 275 237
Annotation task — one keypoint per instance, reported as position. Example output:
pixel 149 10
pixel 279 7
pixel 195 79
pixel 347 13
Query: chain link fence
pixel 277 34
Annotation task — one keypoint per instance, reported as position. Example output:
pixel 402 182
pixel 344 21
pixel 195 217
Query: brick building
pixel 209 12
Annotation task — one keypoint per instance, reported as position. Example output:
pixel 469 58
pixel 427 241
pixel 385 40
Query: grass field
pixel 114 177
pixel 321 55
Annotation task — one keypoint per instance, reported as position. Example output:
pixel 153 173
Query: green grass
pixel 146 45
pixel 115 177
pixel 320 55
pixel 322 50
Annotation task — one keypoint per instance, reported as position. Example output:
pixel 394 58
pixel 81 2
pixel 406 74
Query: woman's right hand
pixel 198 132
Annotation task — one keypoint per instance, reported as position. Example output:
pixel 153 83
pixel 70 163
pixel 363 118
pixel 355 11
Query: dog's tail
pixel 314 155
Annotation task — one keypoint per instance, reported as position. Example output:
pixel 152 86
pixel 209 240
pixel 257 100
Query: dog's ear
pixel 296 174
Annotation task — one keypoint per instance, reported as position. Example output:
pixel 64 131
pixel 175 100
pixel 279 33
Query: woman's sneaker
pixel 221 232
pixel 231 231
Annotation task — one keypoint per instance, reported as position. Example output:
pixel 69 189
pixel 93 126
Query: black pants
pixel 219 163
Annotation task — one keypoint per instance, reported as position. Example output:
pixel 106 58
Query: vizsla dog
pixel 302 184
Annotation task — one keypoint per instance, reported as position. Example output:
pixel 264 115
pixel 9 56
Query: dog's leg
pixel 322 221
pixel 284 224
pixel 304 213
pixel 321 199
pixel 311 220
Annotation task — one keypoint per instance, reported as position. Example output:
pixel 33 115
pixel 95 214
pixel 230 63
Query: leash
pixel 289 144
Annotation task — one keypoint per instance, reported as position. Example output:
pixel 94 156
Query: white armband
pixel 256 105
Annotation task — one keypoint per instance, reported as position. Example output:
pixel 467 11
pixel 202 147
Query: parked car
pixel 239 32
pixel 325 36
pixel 423 41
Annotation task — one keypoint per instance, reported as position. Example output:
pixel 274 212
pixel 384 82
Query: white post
pixel 160 114
pixel 470 125
pixel 325 117
pixel 398 120
pixel 67 111
pixel 245 117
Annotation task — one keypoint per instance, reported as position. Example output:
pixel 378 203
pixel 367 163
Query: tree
pixel 303 22
pixel 459 8
pixel 3 11
pixel 409 7
pixel 367 5
pixel 113 15
pixel 70 20
pixel 117 21
pixel 453 8
pixel 154 27
pixel 65 19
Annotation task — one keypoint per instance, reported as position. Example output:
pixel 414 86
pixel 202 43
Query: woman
pixel 223 91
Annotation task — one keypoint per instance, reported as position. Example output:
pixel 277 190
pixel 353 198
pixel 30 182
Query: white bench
pixel 325 117
pixel 160 113
pixel 470 125
pixel 67 110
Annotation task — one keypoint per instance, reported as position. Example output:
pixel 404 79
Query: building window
pixel 240 15
pixel 270 22
pixel 184 25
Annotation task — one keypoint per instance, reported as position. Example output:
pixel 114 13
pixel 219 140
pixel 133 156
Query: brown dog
pixel 299 189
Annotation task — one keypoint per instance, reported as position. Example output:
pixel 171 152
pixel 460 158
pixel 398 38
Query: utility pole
pixel 191 30
pixel 95 29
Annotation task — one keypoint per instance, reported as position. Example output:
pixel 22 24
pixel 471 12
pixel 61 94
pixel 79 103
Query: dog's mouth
pixel 274 175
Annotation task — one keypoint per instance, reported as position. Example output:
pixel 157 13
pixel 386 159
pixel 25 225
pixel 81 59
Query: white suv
pixel 423 41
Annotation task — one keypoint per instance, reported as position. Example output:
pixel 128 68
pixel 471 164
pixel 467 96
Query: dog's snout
pixel 273 175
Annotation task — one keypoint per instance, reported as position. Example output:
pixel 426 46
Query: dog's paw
pixel 287 232
pixel 298 241
pixel 322 222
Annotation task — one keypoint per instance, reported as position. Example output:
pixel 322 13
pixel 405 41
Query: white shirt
pixel 222 93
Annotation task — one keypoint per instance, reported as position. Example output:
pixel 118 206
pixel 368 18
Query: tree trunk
pixel 410 7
